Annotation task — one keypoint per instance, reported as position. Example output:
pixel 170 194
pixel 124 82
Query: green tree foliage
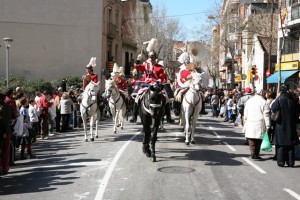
pixel 31 87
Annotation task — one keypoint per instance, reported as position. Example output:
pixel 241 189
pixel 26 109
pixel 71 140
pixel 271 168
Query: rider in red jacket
pixel 90 75
pixel 153 72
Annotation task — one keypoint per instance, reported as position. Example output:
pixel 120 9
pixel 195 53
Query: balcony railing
pixel 112 30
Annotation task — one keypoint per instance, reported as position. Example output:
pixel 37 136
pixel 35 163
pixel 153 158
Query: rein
pixel 118 94
pixel 93 102
pixel 192 105
pixel 150 105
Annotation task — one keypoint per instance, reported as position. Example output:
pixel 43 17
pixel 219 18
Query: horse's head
pixel 155 99
pixel 92 89
pixel 196 81
pixel 109 87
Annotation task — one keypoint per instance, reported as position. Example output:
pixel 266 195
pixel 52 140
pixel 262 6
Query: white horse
pixel 89 108
pixel 116 104
pixel 191 107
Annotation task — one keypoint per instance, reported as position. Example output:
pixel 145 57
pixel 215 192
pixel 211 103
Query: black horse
pixel 151 109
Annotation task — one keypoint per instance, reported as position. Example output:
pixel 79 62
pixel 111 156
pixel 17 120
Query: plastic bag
pixel 266 145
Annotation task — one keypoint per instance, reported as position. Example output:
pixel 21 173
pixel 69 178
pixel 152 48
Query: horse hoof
pixel 96 136
pixel 92 139
pixel 153 159
pixel 187 143
pixel 115 132
pixel 118 125
pixel 122 128
pixel 86 140
pixel 193 142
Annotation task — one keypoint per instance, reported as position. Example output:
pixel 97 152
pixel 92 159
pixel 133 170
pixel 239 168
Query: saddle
pixel 180 93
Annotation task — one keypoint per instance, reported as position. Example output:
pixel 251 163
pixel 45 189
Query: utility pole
pixel 271 38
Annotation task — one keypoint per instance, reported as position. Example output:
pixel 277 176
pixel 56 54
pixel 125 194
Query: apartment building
pixel 289 31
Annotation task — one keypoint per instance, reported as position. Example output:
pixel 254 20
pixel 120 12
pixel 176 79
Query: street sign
pixel 244 76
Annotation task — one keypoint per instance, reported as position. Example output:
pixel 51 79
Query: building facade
pixel 52 39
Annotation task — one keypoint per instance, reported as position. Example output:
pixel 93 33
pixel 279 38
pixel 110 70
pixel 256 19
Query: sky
pixel 191 11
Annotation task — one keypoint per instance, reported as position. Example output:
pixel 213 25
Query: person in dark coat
pixel 286 136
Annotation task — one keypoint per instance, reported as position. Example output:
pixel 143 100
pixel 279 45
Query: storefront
pixel 289 74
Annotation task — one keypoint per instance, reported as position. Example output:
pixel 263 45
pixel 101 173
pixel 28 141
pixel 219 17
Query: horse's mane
pixel 109 83
pixel 91 84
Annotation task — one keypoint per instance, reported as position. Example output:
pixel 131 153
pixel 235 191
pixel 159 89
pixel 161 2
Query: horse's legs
pixel 147 135
pixel 193 125
pixel 187 127
pixel 122 117
pixel 96 134
pixel 154 138
pixel 83 116
pixel 92 119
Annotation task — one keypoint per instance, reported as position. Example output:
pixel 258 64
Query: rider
pixel 153 72
pixel 184 78
pixel 90 75
pixel 118 77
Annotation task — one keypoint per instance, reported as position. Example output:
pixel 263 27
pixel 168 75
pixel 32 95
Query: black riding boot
pixel 203 112
pixel 168 113
pixel 177 108
pixel 135 112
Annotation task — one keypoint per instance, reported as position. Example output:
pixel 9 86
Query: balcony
pixel 112 31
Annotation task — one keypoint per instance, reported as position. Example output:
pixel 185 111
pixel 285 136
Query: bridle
pixel 91 97
pixel 195 91
pixel 151 105
pixel 116 95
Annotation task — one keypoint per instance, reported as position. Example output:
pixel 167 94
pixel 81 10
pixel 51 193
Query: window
pixel 291 45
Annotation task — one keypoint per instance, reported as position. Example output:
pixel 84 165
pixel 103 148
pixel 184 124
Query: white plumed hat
pixel 184 58
pixel 152 45
pixel 92 62
pixel 134 72
pixel 161 63
pixel 117 71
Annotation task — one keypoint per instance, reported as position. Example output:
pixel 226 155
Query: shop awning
pixel 284 75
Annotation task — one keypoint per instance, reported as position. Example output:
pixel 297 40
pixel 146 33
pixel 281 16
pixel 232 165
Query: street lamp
pixel 7 42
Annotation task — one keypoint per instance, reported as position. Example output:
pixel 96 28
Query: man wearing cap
pixel 90 75
pixel 242 102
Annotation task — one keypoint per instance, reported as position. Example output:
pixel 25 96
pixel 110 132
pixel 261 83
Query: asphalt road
pixel 113 167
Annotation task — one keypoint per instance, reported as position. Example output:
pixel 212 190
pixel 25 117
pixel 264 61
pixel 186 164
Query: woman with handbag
pixel 286 136
pixel 257 121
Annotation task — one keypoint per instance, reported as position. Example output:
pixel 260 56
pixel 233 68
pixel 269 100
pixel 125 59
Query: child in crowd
pixel 65 107
pixel 25 140
pixel 33 118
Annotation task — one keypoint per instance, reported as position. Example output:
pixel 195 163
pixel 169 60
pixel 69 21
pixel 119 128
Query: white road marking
pixel 108 173
pixel 229 146
pixel 216 134
pixel 98 163
pixel 254 165
pixel 292 193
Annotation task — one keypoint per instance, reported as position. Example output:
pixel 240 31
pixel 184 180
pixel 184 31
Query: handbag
pixel 266 145
pixel 276 116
